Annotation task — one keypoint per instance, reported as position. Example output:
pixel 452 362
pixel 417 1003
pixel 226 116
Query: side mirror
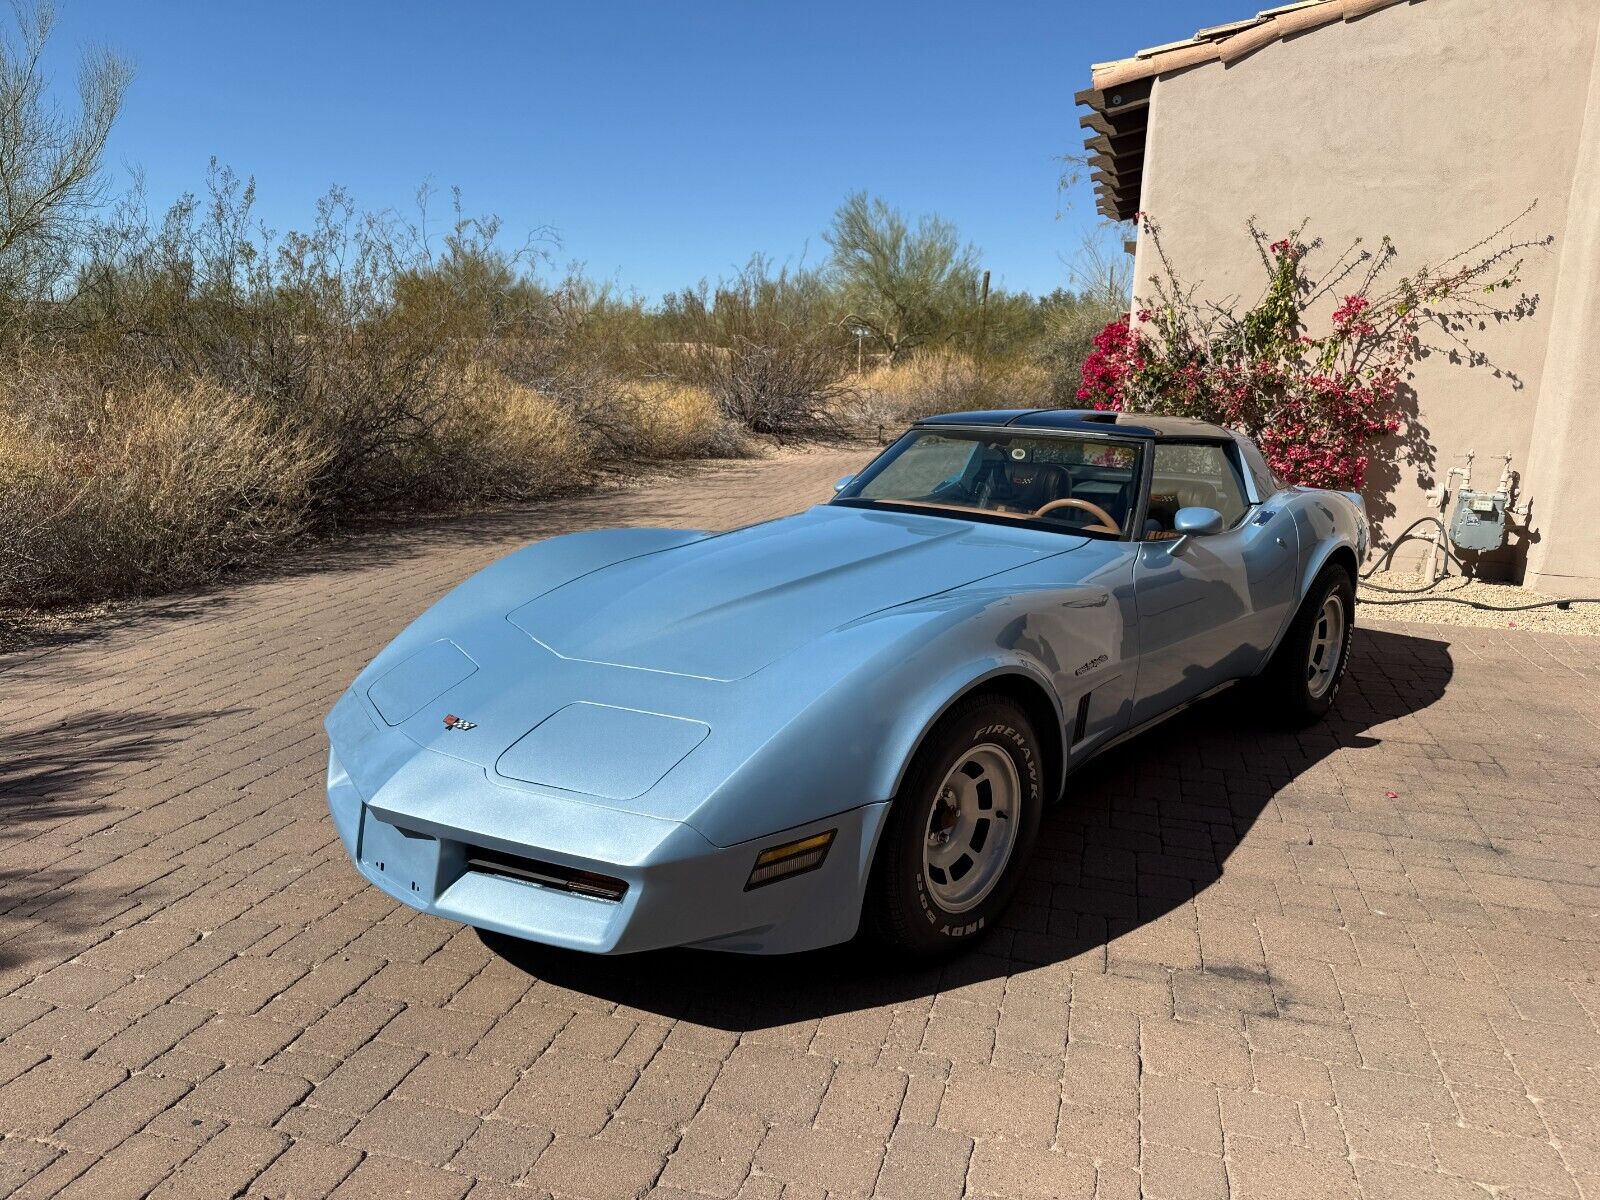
pixel 842 482
pixel 1197 521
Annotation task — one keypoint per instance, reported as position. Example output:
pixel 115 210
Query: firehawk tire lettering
pixel 898 894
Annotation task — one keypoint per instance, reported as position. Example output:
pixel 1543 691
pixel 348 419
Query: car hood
pixel 723 607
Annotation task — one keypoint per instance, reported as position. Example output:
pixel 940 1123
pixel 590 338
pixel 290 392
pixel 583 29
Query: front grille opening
pixel 545 874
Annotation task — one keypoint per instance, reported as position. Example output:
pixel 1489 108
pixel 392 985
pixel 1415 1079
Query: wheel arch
pixel 1343 556
pixel 1336 552
pixel 1039 704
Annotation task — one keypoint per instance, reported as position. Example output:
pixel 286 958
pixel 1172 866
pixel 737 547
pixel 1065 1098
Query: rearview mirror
pixel 1197 521
pixel 842 482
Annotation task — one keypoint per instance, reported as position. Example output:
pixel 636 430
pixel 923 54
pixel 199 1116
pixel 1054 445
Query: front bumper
pixel 412 819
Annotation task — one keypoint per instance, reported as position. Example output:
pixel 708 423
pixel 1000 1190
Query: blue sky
pixel 663 142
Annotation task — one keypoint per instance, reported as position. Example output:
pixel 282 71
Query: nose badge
pixel 456 723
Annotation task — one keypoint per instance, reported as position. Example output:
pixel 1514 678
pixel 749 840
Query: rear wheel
pixel 958 833
pixel 1300 683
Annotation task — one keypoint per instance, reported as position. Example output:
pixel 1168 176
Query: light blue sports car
pixel 849 719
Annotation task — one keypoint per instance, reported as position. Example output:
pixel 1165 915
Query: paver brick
pixel 244 1094
pixel 501 1150
pixel 1236 964
pixel 826 1158
pixel 366 1077
pixel 457 1083
pixel 37 1102
pixel 671 1087
pixel 380 1178
pixel 1172 1173
pixel 138 1167
pixel 716 1152
pixel 306 1168
pixel 436 1030
pixel 1177 1113
pixel 570 1095
pixel 120 1113
pixel 594 1170
pixel 924 1164
pixel 1004 1104
pixel 863 1100
pixel 407 1129
pixel 774 1084
pixel 225 1165
pixel 1258 1170
pixel 1002 1168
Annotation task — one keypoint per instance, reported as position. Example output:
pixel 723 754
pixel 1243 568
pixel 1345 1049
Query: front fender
pixel 849 712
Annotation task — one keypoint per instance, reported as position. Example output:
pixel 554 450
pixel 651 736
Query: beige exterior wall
pixel 1433 122
pixel 1565 455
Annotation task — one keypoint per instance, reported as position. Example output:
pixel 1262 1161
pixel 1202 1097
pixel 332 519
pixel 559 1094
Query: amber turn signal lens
pixel 791 858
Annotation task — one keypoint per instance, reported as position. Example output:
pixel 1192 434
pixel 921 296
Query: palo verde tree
pixel 49 157
pixel 904 285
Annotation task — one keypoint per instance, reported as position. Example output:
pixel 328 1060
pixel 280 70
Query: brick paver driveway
pixel 1362 959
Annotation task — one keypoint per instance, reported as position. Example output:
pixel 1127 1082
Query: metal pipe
pixel 1444 508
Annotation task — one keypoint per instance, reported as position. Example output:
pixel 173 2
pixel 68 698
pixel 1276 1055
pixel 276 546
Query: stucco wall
pixel 1433 122
pixel 1565 455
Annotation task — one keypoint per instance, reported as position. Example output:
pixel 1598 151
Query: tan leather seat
pixel 1167 496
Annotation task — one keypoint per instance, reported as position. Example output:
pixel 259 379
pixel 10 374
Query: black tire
pixel 1286 686
pixel 902 913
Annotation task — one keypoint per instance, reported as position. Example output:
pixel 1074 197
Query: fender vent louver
pixel 1081 725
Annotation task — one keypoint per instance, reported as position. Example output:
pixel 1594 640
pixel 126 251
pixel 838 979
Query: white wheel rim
pixel 972 828
pixel 1327 647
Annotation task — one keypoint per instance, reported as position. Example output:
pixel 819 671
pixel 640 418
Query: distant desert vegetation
pixel 184 392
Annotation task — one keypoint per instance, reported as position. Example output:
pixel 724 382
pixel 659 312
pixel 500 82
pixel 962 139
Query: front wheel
pixel 1301 681
pixel 959 831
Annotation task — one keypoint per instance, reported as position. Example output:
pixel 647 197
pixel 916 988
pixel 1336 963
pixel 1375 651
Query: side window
pixel 1194 476
pixel 1256 464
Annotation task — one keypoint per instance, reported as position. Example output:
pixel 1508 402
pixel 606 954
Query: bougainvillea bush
pixel 1318 403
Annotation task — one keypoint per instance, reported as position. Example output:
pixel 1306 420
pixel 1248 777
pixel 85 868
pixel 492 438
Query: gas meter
pixel 1479 522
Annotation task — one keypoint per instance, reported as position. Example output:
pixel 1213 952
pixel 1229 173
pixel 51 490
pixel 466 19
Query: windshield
pixel 1082 484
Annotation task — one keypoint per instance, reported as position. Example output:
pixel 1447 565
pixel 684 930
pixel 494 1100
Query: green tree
pixel 904 286
pixel 49 159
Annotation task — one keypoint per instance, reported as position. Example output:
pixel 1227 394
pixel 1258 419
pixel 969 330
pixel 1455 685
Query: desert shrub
pixel 940 382
pixel 106 494
pixel 499 440
pixel 357 331
pixel 615 417
pixel 1068 339
pixel 763 345
pixel 678 420
pixel 785 389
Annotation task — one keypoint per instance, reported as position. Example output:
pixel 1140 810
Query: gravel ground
pixel 1454 600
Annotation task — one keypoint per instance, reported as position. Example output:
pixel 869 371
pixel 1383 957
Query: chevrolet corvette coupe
pixel 850 719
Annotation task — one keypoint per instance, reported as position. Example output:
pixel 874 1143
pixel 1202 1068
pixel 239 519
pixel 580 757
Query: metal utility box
pixel 1479 523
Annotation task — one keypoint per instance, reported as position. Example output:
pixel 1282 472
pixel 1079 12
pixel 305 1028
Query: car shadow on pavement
pixel 1143 830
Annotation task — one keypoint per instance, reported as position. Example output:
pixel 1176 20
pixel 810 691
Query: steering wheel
pixel 1106 525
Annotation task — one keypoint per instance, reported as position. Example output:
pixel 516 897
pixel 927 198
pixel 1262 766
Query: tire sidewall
pixel 1333 581
pixel 924 926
